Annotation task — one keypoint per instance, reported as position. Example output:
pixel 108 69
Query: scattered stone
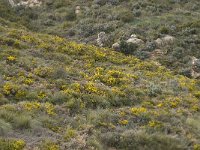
pixel 196 64
pixel 195 67
pixel 133 36
pixel 116 46
pixel 78 10
pixel 168 39
pixel 102 38
pixel 26 3
pixel 159 42
pixel 135 40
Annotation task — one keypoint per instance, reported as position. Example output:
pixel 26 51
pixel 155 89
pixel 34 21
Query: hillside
pixel 58 94
pixel 150 20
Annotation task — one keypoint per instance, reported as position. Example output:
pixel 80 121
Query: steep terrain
pixel 150 20
pixel 57 94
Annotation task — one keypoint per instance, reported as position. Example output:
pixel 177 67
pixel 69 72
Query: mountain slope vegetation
pixel 58 94
pixel 119 19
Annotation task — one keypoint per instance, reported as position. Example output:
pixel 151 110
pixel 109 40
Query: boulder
pixel 195 67
pixel 133 39
pixel 116 46
pixel 78 10
pixel 166 40
pixel 133 36
pixel 196 64
pixel 159 42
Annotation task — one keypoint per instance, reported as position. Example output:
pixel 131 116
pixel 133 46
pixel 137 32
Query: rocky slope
pixel 150 21
pixel 57 94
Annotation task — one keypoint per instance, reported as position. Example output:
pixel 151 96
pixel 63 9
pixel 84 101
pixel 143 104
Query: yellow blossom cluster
pixel 123 122
pixel 11 58
pixel 154 124
pixel 32 106
pixel 138 110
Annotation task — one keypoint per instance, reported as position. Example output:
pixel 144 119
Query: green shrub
pixel 126 16
pixel 22 122
pixel 4 127
pixel 154 90
pixel 139 140
pixel 127 48
pixel 60 97
pixel 75 105
pixel 70 15
pixel 8 116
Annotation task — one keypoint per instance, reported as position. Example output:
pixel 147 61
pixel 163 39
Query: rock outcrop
pixel 116 46
pixel 195 68
pixel 26 3
pixel 133 39
pixel 166 40
pixel 102 38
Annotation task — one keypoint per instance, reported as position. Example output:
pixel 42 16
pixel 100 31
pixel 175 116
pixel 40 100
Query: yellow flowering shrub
pixel 29 81
pixel 31 106
pixel 41 95
pixel 117 91
pixel 71 89
pixel 195 107
pixel 10 88
pixel 7 88
pixel 11 144
pixel 98 55
pixel 197 94
pixel 43 71
pixel 154 124
pixel 98 73
pixel 76 87
pixel 35 106
pixel 53 147
pixel 113 77
pixel 18 144
pixel 44 45
pixel 72 48
pixel 11 58
pixel 50 109
pixel 196 147
pixel 49 145
pixel 187 83
pixel 122 113
pixel 123 122
pixel 90 87
pixel 138 110
pixel 70 133
pixel 173 102
pixel 160 105
pixel 28 38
